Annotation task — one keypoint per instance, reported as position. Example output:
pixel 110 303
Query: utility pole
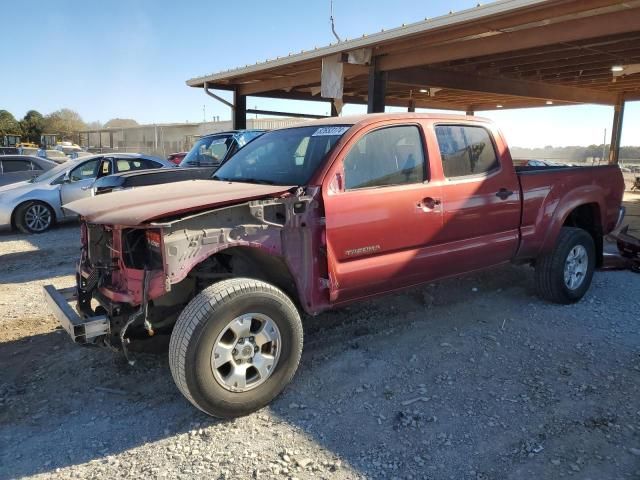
pixel 204 113
pixel 604 144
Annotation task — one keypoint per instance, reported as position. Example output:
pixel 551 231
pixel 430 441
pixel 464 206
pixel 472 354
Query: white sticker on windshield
pixel 330 131
pixel 218 141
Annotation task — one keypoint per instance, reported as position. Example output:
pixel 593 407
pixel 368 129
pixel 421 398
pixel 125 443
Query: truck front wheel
pixel 235 347
pixel 564 274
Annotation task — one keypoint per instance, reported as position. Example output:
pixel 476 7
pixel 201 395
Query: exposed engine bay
pixel 141 278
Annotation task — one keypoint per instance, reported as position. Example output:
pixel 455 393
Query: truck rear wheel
pixel 564 274
pixel 235 347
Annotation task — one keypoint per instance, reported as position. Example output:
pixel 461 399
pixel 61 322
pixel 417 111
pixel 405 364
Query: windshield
pixel 282 157
pixel 208 151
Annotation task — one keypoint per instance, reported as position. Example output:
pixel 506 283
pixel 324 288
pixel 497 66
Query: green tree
pixel 64 122
pixel 8 124
pixel 32 126
pixel 120 123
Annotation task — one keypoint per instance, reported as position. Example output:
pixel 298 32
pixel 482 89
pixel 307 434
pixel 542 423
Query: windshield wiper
pixel 254 180
pixel 244 180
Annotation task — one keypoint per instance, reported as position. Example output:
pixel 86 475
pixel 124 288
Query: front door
pixel 80 180
pixel 380 210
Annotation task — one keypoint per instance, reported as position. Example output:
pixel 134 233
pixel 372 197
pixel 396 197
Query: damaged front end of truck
pixel 132 282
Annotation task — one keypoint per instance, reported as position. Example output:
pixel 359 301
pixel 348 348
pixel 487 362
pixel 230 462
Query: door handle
pixel 430 204
pixel 503 193
pixel 86 187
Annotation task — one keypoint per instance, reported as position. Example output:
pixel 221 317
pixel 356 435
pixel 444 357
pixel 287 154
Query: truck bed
pixel 549 194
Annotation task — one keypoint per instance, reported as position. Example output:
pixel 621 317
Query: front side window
pixel 385 157
pixel 208 151
pixel 282 157
pixel 465 150
pixel 86 170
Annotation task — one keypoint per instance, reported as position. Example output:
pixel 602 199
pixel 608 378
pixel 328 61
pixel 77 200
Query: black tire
pixel 550 268
pixel 22 222
pixel 198 328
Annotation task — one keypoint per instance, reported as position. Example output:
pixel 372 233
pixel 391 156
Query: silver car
pixel 35 205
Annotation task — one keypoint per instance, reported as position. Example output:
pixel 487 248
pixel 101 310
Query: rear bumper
pixel 81 329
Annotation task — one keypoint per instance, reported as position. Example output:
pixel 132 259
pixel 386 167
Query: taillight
pixel 153 238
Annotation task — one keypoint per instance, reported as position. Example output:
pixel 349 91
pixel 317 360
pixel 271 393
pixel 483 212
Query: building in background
pixel 163 139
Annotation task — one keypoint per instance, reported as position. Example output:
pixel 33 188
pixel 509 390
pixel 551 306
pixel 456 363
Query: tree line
pixel 63 122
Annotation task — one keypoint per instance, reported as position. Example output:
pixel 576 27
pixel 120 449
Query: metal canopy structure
pixel 507 54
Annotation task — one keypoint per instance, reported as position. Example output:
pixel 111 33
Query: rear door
pixel 480 197
pixel 380 209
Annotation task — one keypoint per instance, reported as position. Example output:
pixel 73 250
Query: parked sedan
pixel 209 152
pixel 215 149
pixel 17 168
pixel 34 206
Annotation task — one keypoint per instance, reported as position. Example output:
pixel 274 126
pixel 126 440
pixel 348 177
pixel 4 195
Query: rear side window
pixel 465 150
pixel 129 164
pixel 389 156
pixel 12 166
pixel 146 163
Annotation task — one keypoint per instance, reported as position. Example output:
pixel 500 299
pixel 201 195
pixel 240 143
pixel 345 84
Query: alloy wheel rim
pixel 38 218
pixel 246 352
pixel 575 267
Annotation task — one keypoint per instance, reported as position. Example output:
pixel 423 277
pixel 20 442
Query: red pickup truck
pixel 314 217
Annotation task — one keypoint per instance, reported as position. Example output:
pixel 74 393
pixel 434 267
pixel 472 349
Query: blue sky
pixel 130 58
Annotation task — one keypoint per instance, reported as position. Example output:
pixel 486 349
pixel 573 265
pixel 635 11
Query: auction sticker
pixel 330 131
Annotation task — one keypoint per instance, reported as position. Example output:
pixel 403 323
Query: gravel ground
pixel 473 378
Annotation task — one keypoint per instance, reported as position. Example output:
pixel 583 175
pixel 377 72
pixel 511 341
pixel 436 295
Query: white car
pixel 33 206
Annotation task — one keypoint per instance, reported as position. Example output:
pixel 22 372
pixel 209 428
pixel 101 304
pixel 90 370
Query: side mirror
pixel 66 178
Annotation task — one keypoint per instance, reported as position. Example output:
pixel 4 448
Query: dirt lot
pixel 467 379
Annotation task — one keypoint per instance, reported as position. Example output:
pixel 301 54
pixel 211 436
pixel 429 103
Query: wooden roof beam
pixel 610 44
pixel 573 30
pixel 505 86
pixel 540 13
pixel 585 62
pixel 290 81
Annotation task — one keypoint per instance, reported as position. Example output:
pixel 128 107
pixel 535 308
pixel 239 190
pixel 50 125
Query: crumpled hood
pixel 143 204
